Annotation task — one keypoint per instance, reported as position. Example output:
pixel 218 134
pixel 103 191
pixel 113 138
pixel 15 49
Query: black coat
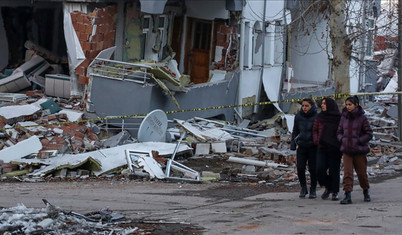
pixel 302 134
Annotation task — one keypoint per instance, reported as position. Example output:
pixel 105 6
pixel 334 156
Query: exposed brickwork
pixel 96 32
pixel 223 37
pixel 3 121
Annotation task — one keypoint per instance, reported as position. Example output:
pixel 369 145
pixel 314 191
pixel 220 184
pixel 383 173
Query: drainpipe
pixel 261 83
pixel 238 110
pixel 118 54
pixel 286 50
pixel 362 52
pixel 183 44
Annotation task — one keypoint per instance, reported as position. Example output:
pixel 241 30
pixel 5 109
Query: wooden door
pixel 200 51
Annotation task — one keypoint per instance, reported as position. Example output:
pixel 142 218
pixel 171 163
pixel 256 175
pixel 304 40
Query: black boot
pixel 347 199
pixel 335 197
pixel 325 195
pixel 366 195
pixel 303 191
pixel 312 193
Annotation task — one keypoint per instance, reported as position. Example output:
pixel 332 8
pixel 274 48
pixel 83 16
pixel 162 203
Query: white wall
pixel 253 10
pixel 250 79
pixel 249 83
pixel 207 9
pixel 308 53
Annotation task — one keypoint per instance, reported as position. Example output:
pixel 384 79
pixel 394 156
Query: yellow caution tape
pixel 336 96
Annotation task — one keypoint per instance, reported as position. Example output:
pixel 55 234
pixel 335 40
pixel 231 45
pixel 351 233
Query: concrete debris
pixel 21 149
pixel 144 161
pixel 56 140
pixel 119 139
pixel 23 220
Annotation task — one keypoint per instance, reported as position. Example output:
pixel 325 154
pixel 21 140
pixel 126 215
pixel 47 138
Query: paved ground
pixel 221 208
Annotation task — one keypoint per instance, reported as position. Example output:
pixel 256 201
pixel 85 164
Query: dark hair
pixel 310 101
pixel 353 99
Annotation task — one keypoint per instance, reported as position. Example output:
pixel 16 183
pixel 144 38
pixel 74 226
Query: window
pixel 146 30
pixel 162 28
pixel 247 40
pixel 278 55
pixel 202 36
pixel 370 37
pixel 269 45
pixel 257 44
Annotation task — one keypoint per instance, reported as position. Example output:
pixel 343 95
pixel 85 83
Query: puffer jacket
pixel 354 132
pixel 302 134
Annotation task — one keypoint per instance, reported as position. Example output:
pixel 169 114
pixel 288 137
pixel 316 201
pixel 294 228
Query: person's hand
pixel 293 145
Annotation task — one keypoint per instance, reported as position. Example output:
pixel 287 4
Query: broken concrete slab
pixel 72 115
pixel 202 149
pixel 205 134
pixel 190 129
pixel 21 149
pixel 59 163
pixel 110 159
pixel 119 139
pixel 145 161
pixel 219 147
pixel 13 112
pixel 31 126
pixel 393 112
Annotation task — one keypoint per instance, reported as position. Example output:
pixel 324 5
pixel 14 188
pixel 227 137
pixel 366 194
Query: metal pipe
pixel 261 83
pixel 254 162
pixel 169 163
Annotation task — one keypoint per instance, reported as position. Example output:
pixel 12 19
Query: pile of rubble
pixel 53 220
pixel 46 137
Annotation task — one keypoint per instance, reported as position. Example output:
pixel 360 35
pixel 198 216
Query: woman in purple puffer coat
pixel 354 133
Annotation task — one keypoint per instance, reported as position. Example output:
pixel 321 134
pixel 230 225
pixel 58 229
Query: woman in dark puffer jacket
pixel 354 133
pixel 328 153
pixel 302 136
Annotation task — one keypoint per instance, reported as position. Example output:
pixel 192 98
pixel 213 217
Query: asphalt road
pixel 227 212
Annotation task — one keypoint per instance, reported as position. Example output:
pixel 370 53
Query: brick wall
pixel 96 32
pixel 223 36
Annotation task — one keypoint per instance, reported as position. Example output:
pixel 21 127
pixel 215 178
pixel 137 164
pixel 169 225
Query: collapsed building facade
pixel 176 54
pixel 131 57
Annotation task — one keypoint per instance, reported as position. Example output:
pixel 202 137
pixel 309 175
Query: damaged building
pixel 171 55
pixel 120 60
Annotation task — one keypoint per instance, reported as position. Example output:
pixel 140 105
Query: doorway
pixel 199 52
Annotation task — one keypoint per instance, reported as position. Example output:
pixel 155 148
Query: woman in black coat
pixel 354 133
pixel 328 153
pixel 302 137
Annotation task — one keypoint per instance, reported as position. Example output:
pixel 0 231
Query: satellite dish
pixel 153 127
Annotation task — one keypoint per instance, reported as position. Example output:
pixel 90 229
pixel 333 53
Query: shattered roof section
pixel 108 159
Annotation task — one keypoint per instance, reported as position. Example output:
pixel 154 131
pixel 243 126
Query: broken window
pixel 162 28
pixel 278 56
pixel 269 45
pixel 247 40
pixel 41 25
pixel 202 36
pixel 146 29
pixel 257 44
